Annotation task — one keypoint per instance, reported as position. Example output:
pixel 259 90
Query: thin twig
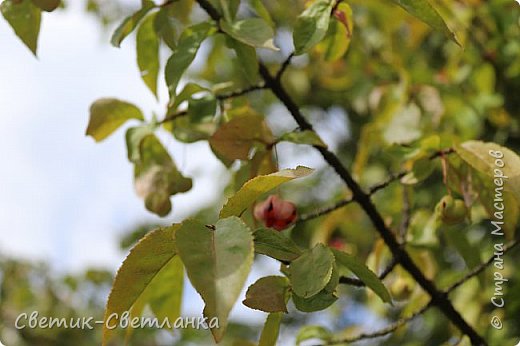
pixel 391 328
pixel 233 94
pixel 324 211
pixel 482 267
pixel 407 215
pixel 345 280
pixel 173 116
pixel 284 66
pixel 241 92
pixel 381 332
pixel 372 190
pixel 438 298
pixel 347 201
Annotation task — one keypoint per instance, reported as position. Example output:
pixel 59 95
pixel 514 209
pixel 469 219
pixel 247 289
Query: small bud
pixel 452 211
pixel 275 213
pixel 401 289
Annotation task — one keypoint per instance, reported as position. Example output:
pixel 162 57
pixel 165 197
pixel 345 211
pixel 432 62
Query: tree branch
pixel 438 298
pixel 394 326
pixel 210 10
pixel 371 191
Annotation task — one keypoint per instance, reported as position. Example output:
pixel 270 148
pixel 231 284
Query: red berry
pixel 337 243
pixel 275 213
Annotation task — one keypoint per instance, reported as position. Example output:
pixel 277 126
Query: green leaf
pixel 182 57
pixel 422 169
pixel 313 332
pixel 337 40
pixel 271 330
pixel 47 5
pixel 188 132
pixel 181 10
pixel 317 302
pixel 478 155
pixel 311 272
pixel 228 8
pixel 363 273
pixel 424 10
pixel 247 59
pixel 242 342
pixel 268 294
pixel 130 23
pixel 148 273
pixel 262 163
pixel 147 47
pixel 275 245
pixel 259 7
pixel 202 108
pixel 107 115
pixel 164 293
pixel 334 280
pixel 164 26
pixel 312 25
pixel 187 92
pixel 235 139
pixel 199 122
pixel 456 236
pixel 303 137
pixel 257 186
pixel 404 126
pixel 484 79
pixel 25 19
pixel 157 177
pixel 217 262
pixel 254 32
pixel 134 136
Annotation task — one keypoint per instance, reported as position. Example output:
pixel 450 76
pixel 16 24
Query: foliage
pixel 433 130
pixel 26 287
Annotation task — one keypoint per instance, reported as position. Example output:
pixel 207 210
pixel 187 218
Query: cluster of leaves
pixel 26 287
pixel 218 259
pixel 24 16
pixel 415 103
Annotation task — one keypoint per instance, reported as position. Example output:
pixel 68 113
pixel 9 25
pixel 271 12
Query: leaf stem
pixel 438 298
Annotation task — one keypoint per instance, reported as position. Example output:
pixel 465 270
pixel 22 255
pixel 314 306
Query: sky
pixel 64 199
pixel 63 195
